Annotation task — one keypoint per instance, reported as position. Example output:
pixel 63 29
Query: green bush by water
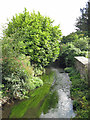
pixel 37 37
pixel 17 73
pixel 79 93
pixel 67 54
pixel 72 45
pixel 37 102
pixel 29 43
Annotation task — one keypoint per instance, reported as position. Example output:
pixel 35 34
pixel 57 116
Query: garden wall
pixel 82 65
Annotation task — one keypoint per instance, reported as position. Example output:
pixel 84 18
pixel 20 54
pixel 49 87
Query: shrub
pixel 1 91
pixel 16 70
pixel 79 93
pixel 68 52
pixel 37 36
pixel 69 38
pixel 19 66
pixel 68 69
pixel 34 82
pixel 15 87
pixel 19 88
pixel 81 43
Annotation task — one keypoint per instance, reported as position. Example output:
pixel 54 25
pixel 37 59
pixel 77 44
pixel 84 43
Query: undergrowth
pixel 34 103
pixel 79 93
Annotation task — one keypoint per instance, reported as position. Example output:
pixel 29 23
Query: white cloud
pixel 64 12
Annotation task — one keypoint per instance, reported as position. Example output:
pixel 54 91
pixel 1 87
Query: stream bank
pixel 52 100
pixel 79 93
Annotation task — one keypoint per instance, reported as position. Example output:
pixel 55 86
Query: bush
pixel 18 88
pixel 34 82
pixel 81 43
pixel 17 72
pixel 69 38
pixel 68 69
pixel 1 91
pixel 74 44
pixel 79 93
pixel 19 66
pixel 15 87
pixel 38 38
pixel 67 54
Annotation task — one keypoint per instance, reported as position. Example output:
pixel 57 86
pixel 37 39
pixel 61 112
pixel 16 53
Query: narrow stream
pixel 64 108
pixel 48 101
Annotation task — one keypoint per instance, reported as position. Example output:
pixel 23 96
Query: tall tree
pixel 82 21
pixel 89 19
pixel 36 35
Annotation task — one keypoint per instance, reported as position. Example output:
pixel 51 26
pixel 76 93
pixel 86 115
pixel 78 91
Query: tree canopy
pixel 83 21
pixel 37 36
pixel 89 19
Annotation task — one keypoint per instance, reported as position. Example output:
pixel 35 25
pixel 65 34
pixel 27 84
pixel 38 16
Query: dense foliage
pixel 72 37
pixel 83 21
pixel 82 44
pixel 79 93
pixel 74 44
pixel 67 54
pixel 77 44
pixel 38 37
pixel 30 42
pixel 38 101
pixel 69 38
pixel 17 73
pixel 89 18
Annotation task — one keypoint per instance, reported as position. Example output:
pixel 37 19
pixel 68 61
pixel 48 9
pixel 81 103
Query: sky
pixel 63 12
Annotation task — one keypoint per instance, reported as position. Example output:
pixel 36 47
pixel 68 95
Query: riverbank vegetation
pixel 77 44
pixel 30 42
pixel 37 102
pixel 79 93
pixel 74 44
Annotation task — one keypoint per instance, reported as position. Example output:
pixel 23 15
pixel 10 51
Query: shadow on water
pixel 52 99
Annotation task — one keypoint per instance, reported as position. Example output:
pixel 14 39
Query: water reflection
pixel 45 102
pixel 50 102
pixel 64 108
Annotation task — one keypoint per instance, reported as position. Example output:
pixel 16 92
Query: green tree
pixel 69 38
pixel 82 21
pixel 67 54
pixel 89 19
pixel 37 36
pixel 81 43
